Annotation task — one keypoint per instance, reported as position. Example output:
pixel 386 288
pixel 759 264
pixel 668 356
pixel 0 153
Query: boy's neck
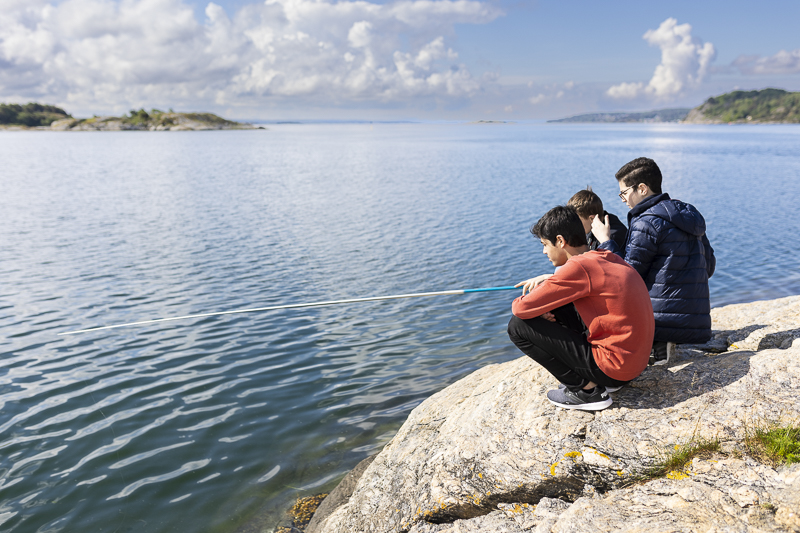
pixel 572 251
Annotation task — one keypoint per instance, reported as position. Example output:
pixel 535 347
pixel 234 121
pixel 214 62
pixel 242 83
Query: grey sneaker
pixel 596 401
pixel 608 389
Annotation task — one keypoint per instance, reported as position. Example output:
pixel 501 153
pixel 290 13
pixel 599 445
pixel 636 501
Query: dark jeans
pixel 560 347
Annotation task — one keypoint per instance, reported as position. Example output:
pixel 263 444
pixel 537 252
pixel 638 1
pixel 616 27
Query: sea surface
pixel 218 424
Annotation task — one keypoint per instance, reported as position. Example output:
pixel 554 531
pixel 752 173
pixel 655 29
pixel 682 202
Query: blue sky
pixel 386 60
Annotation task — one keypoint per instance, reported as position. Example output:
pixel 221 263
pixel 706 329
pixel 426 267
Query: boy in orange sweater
pixel 590 324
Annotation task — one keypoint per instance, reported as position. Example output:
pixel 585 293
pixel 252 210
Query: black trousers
pixel 560 347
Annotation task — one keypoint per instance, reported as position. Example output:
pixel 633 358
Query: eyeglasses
pixel 623 193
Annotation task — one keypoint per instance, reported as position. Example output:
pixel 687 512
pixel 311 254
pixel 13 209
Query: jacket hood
pixel 682 215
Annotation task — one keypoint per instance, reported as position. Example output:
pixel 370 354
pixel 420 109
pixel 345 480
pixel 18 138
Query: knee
pixel 514 327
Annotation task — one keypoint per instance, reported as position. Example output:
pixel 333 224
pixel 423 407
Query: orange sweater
pixel 613 302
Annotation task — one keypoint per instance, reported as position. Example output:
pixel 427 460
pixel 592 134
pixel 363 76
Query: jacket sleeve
pixel 711 260
pixel 642 246
pixel 612 247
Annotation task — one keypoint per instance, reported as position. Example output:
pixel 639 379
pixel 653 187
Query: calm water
pixel 217 424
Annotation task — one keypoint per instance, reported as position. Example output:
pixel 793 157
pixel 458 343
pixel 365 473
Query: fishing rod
pixel 295 306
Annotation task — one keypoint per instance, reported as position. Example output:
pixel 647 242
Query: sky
pixel 392 60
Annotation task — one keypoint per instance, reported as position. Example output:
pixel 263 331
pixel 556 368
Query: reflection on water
pixel 207 424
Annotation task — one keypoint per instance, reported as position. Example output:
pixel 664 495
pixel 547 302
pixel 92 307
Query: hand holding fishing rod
pixel 530 284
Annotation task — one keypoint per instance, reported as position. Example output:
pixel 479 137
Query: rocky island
pixel 770 106
pixel 677 451
pixel 47 117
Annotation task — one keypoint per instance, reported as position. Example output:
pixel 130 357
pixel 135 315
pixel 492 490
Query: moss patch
pixel 301 513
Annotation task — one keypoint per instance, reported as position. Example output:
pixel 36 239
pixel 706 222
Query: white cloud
pixel 626 90
pixel 684 63
pixel 139 52
pixel 781 63
pixel 360 34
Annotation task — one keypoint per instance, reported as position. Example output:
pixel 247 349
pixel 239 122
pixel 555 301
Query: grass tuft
pixel 673 465
pixel 775 444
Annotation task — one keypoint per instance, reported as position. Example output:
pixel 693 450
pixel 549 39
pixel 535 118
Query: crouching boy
pixel 590 324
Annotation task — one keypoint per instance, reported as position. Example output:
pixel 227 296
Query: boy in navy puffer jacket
pixel 667 245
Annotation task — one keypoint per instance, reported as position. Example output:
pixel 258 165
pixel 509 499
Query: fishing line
pixel 295 306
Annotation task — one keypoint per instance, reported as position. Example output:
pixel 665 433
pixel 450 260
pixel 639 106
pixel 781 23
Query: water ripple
pixel 145 455
pixel 188 467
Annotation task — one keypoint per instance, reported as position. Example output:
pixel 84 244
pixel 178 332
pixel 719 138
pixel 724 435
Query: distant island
pixel 48 117
pixel 659 115
pixel 769 106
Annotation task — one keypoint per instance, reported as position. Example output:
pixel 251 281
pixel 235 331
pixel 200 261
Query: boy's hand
pixel 601 229
pixel 530 284
pixel 549 316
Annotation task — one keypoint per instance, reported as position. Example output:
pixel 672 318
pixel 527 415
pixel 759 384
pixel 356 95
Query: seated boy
pixel 589 205
pixel 667 245
pixel 590 324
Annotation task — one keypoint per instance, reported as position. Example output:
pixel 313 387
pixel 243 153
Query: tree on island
pixel 30 114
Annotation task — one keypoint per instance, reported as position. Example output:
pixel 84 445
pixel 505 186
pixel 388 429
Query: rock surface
pixel 490 453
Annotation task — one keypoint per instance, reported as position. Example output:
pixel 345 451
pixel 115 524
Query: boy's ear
pixel 560 241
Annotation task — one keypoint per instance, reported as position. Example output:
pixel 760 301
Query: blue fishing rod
pixel 295 306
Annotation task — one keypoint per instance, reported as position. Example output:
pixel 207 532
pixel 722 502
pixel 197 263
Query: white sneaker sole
pixel 608 389
pixel 595 406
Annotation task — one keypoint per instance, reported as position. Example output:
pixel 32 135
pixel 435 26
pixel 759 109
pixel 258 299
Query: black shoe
pixel 661 353
pixel 597 400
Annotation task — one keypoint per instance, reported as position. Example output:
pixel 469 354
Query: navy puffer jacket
pixel 667 245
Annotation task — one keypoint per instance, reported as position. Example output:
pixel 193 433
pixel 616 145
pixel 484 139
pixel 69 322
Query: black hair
pixel 641 170
pixel 561 220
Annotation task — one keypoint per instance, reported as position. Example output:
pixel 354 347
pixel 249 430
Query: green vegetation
pixel 769 105
pixel 769 443
pixel 209 118
pixel 141 119
pixel 30 115
pixel 775 444
pixel 137 117
pixel 673 464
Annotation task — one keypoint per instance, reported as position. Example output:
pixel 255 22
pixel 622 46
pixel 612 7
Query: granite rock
pixel 490 453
